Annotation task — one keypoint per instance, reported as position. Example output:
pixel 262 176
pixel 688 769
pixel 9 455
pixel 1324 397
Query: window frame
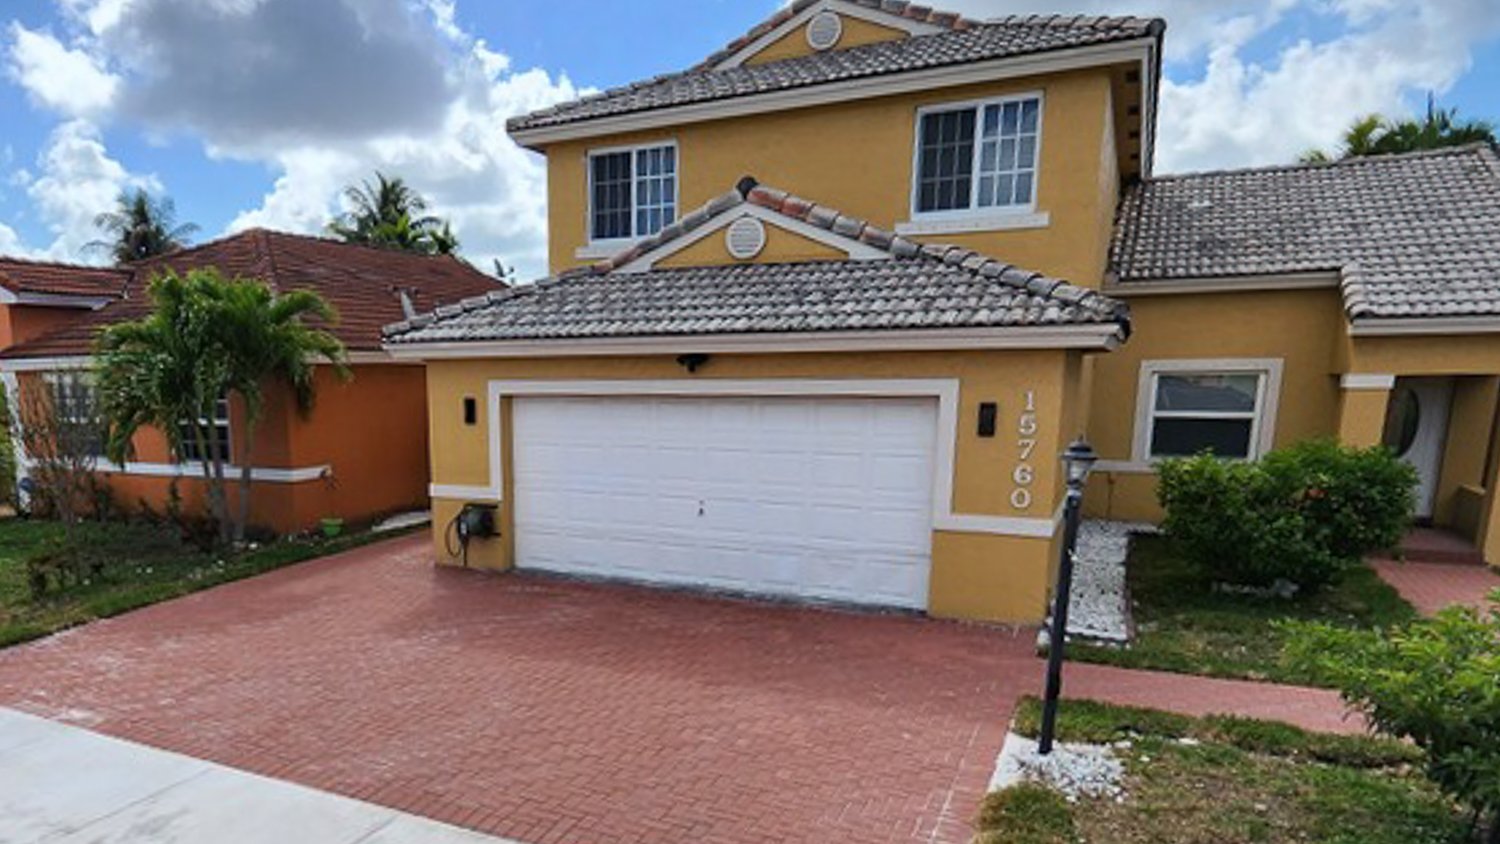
pixel 1263 417
pixel 76 378
pixel 633 150
pixel 975 210
pixel 227 424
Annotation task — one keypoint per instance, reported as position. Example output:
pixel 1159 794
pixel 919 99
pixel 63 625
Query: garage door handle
pixel 700 506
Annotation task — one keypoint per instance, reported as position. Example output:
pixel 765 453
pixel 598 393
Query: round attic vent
pixel 745 238
pixel 824 30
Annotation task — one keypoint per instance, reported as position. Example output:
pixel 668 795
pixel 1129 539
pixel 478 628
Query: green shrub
pixel 1025 814
pixel 1433 681
pixel 1304 514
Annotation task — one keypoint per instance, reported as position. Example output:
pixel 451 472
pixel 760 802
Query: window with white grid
pixel 632 192
pixel 978 156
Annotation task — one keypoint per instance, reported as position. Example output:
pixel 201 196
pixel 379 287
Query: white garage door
pixel 827 498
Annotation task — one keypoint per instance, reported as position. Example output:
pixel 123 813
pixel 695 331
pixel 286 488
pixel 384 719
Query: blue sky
pixel 97 95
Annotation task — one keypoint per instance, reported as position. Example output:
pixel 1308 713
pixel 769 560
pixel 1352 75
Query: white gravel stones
pixel 1100 607
pixel 1075 770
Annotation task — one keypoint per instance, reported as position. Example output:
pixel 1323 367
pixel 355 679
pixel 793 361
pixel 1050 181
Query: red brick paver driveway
pixel 551 711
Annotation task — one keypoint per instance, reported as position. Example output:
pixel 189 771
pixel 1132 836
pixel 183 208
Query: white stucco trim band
pixel 194 470
pixel 944 390
pixel 1367 381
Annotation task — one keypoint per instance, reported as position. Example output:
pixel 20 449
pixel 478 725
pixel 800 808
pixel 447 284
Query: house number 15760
pixel 1025 474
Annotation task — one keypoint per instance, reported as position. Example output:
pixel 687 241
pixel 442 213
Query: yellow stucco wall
pixel 974 575
pixel 1470 418
pixel 1304 328
pixel 781 246
pixel 857 33
pixel 858 156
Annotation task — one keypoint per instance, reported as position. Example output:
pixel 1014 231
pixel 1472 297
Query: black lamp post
pixel 1077 462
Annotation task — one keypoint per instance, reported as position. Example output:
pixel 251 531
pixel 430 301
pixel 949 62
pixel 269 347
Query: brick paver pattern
pixel 554 711
pixel 1432 586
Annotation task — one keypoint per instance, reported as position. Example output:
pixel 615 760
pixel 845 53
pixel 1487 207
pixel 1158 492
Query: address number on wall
pixel 1025 473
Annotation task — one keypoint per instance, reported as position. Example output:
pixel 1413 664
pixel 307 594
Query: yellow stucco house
pixel 826 307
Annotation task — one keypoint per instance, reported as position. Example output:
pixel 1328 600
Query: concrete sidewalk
pixel 66 784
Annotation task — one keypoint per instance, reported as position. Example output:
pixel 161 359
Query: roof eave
pixel 881 85
pixel 1104 336
pixel 1366 326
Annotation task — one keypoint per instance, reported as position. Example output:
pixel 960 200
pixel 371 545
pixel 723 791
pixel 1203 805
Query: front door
pixel 1416 428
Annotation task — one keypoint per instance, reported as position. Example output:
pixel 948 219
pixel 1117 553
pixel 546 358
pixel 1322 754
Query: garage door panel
pixel 815 497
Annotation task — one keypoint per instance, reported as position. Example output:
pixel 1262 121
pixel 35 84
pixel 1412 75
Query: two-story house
pixel 826 307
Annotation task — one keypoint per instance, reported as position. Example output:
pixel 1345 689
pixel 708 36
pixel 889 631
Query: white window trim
pixel 214 422
pixel 1267 402
pixel 944 390
pixel 606 247
pixel 985 217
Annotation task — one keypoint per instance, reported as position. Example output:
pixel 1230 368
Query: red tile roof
pixel 53 279
pixel 363 284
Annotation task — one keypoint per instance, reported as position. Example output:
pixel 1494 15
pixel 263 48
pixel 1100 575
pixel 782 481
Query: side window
pixel 1225 407
pixel 218 435
pixel 632 192
pixel 75 404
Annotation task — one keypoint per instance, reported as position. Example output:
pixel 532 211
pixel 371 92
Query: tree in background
pixel 141 227
pixel 207 338
pixel 1376 135
pixel 390 214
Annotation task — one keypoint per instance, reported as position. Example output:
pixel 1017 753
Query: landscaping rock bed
pixel 1100 602
pixel 1075 770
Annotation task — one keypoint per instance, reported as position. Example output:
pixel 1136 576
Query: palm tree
pixel 269 341
pixel 141 227
pixel 1375 135
pixel 390 214
pixel 207 338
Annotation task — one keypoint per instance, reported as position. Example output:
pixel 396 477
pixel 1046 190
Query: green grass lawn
pixel 1184 626
pixel 142 564
pixel 1228 781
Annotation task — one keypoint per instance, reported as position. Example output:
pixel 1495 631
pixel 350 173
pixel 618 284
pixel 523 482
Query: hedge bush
pixel 1434 682
pixel 1303 514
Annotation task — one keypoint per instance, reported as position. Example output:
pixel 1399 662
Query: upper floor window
pixel 978 156
pixel 632 192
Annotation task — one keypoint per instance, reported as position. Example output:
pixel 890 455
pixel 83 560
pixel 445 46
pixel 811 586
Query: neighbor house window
pixel 1223 407
pixel 978 156
pixel 632 192
pixel 217 429
pixel 75 408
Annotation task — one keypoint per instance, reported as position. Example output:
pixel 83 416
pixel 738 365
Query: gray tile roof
pixel 918 287
pixel 1413 235
pixel 966 41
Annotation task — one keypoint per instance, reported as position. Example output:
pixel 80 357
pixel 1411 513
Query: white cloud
pixel 77 180
pixel 1241 111
pixel 326 93
pixel 70 81
pixel 10 242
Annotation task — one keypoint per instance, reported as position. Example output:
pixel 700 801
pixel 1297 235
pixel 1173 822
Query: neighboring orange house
pixel 361 453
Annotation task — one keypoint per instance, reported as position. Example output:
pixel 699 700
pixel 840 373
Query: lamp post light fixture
pixel 1078 460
